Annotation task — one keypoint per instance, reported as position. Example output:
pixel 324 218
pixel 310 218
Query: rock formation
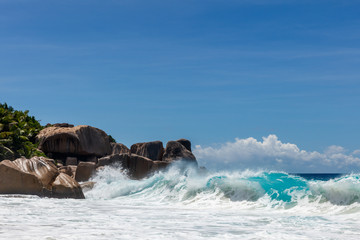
pixel 65 186
pixel 86 186
pixel 186 143
pixel 83 142
pixel 111 160
pixel 119 148
pixel 60 125
pixel 67 170
pixel 84 171
pixel 36 176
pixel 176 151
pixel 139 167
pixel 134 165
pixel 153 150
pixel 82 149
pixel 145 158
pixel 15 181
pixel 71 161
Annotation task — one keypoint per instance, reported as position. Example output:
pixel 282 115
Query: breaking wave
pixel 247 189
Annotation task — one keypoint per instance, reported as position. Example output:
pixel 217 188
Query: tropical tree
pixel 18 133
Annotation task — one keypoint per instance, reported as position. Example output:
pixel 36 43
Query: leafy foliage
pixel 111 139
pixel 18 133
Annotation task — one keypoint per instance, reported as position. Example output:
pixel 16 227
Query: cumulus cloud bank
pixel 272 154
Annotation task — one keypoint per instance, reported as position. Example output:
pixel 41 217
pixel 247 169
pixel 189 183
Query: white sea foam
pixel 182 204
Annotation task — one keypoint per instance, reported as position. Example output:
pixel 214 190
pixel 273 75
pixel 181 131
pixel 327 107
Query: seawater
pixel 182 203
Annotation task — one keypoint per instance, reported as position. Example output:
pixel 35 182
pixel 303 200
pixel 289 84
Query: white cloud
pixel 272 154
pixel 356 152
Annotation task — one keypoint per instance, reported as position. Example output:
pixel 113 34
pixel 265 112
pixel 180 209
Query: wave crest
pixel 185 185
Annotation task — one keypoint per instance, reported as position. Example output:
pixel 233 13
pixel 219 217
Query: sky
pixel 279 77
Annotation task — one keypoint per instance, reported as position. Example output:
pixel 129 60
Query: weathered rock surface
pixel 176 151
pixel 92 159
pixel 159 165
pixel 65 186
pixel 79 140
pixel 148 157
pixel 134 165
pixel 59 163
pixel 61 125
pixel 139 167
pixel 67 170
pixel 44 169
pixel 186 143
pixel 35 176
pixel 86 186
pixel 119 148
pixel 152 150
pixel 110 160
pixel 14 181
pixel 84 171
pixel 71 161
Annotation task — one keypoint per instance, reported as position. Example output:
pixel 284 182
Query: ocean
pixel 183 203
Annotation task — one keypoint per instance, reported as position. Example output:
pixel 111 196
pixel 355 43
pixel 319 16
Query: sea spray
pixel 185 203
pixel 185 185
pixel 344 190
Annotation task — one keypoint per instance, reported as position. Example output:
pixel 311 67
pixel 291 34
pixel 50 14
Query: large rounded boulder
pixel 41 168
pixel 152 150
pixel 36 176
pixel 119 148
pixel 81 140
pixel 186 143
pixel 65 186
pixel 135 166
pixel 177 151
pixel 84 171
pixel 14 181
pixel 112 159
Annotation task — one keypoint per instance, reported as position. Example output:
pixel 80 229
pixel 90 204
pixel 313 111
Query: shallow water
pixel 182 204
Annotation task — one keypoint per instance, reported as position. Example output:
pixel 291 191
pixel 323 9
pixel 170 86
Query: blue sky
pixel 210 71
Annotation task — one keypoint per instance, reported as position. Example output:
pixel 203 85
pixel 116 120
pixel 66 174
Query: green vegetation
pixel 111 139
pixel 18 133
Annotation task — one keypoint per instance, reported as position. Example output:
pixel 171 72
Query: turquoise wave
pixel 188 185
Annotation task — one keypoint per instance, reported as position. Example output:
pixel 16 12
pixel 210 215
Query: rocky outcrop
pixel 73 170
pixel 86 186
pixel 84 171
pixel 148 157
pixel 134 165
pixel 15 181
pixel 60 125
pixel 152 150
pixel 65 186
pixel 138 166
pixel 111 160
pixel 186 143
pixel 42 168
pixel 159 165
pixel 71 145
pixel 71 161
pixel 67 170
pixel 36 176
pixel 74 141
pixel 119 148
pixel 176 151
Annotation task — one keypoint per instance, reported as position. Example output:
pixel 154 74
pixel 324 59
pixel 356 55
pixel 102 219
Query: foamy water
pixel 183 204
